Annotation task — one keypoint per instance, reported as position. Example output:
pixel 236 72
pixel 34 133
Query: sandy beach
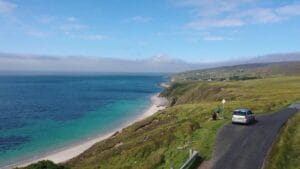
pixel 62 155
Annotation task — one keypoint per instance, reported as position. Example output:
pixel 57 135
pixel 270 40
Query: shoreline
pixel 64 154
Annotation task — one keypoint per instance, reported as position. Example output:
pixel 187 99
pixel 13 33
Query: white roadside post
pixel 223 103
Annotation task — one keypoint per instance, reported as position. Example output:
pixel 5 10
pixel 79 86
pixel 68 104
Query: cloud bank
pixel 160 63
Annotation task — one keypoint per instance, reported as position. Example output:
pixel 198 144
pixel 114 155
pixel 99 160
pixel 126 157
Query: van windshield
pixel 240 113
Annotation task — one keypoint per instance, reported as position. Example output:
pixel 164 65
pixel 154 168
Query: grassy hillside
pixel 285 153
pixel 164 139
pixel 241 72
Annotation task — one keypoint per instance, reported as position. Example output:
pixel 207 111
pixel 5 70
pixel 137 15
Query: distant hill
pixel 270 58
pixel 281 57
pixel 241 72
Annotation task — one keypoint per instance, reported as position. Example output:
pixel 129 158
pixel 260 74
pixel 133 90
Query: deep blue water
pixel 42 113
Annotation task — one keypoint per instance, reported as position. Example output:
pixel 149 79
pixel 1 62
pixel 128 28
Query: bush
pixel 45 164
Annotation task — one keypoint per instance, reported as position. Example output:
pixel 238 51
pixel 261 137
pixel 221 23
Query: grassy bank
pixel 285 153
pixel 164 139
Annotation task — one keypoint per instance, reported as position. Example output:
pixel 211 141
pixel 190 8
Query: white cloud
pixel 293 9
pixel 72 26
pixel 72 19
pixel 37 33
pixel 259 15
pixel 207 36
pixel 91 37
pixel 212 7
pixel 213 38
pixel 163 58
pixel 46 19
pixel 215 23
pixel 6 7
pixel 138 19
pixel 233 13
pixel 68 26
pixel 50 19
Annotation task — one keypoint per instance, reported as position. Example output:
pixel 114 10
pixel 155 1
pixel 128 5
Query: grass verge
pixel 285 152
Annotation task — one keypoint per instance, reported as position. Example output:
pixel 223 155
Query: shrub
pixel 45 164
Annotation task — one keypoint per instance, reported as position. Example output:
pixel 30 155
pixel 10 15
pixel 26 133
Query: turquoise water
pixel 39 114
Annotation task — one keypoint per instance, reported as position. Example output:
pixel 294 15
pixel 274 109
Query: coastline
pixel 67 153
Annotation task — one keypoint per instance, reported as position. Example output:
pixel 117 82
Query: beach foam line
pixel 65 154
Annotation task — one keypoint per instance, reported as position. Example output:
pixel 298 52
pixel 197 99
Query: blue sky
pixel 192 30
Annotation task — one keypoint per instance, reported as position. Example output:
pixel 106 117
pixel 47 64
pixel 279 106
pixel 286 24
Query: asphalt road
pixel 246 146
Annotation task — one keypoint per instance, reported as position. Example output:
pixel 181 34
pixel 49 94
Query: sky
pixel 190 30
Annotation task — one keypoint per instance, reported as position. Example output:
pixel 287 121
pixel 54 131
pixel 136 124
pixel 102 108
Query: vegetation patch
pixel 46 164
pixel 285 153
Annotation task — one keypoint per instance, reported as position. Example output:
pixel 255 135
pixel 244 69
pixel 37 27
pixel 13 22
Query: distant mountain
pixel 242 72
pixel 284 57
pixel 271 58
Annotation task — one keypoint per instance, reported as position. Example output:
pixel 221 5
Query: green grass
pixel 164 139
pixel 285 153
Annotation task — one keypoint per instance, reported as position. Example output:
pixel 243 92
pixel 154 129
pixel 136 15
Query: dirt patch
pixel 204 165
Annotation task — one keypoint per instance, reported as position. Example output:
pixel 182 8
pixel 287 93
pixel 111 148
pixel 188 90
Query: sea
pixel 42 113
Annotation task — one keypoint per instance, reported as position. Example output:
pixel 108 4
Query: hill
pixel 241 72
